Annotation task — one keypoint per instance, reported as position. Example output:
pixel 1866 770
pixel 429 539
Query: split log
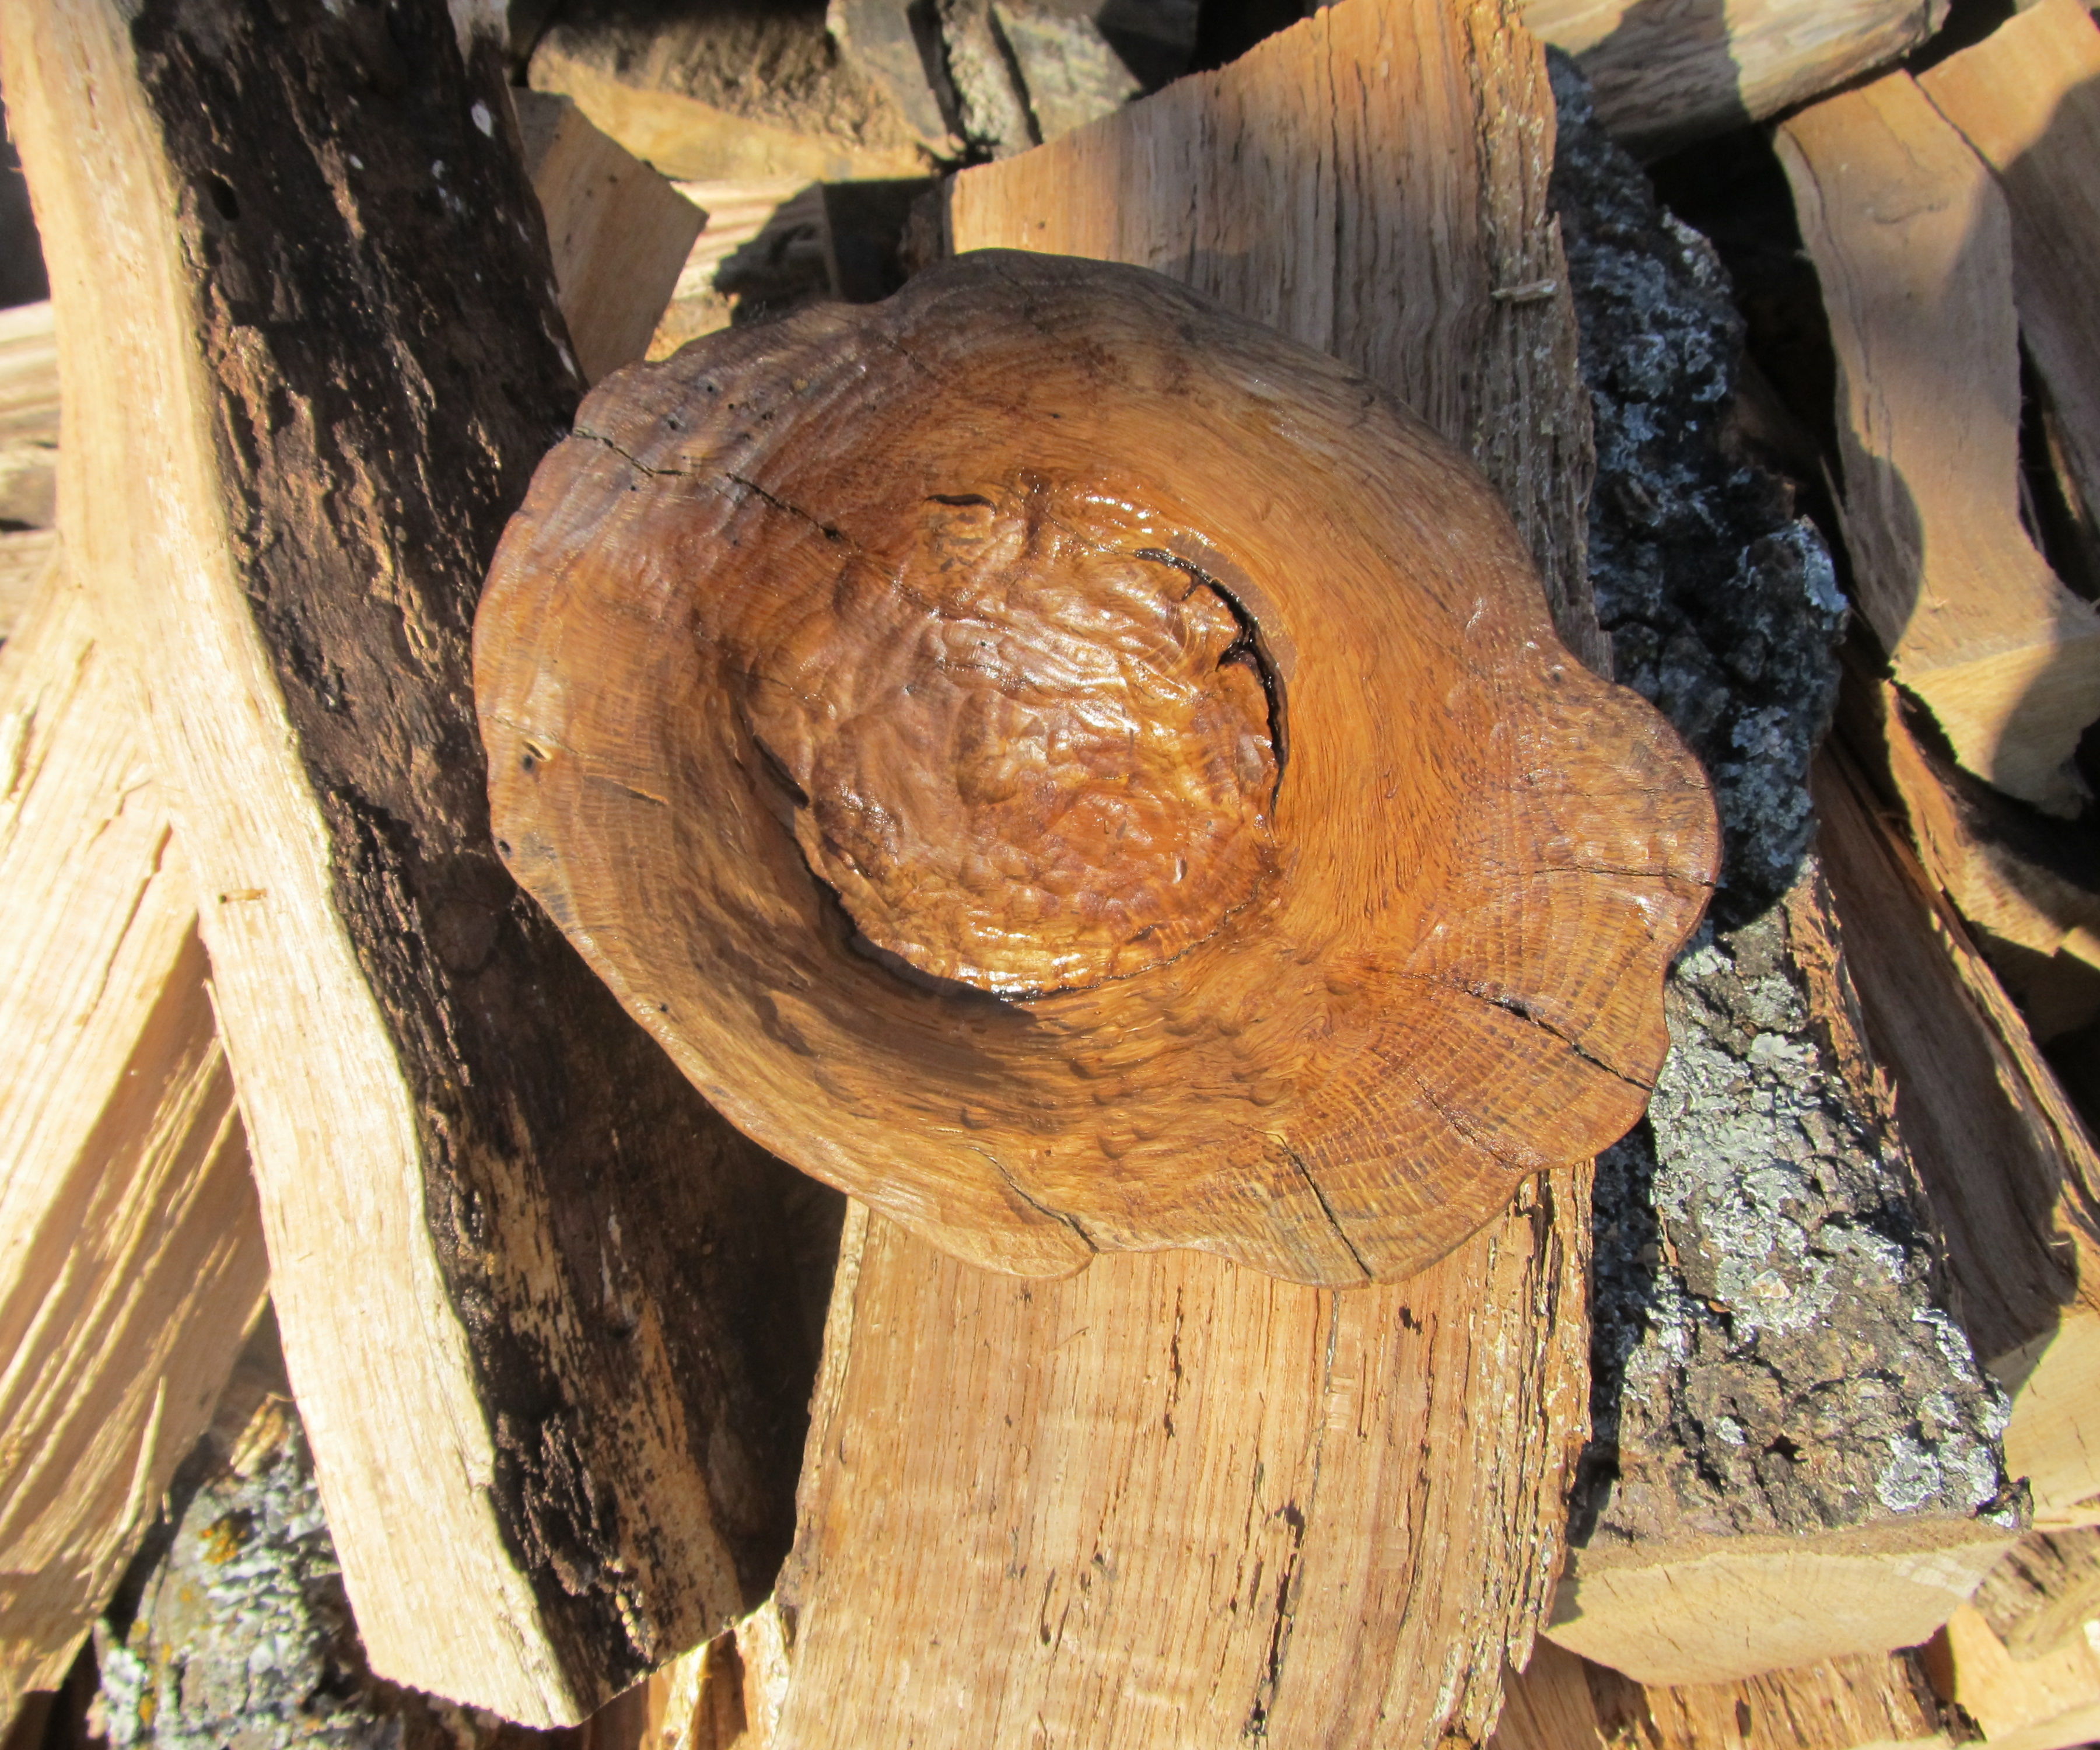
pixel 1022 1496
pixel 619 232
pixel 581 1369
pixel 1667 75
pixel 722 94
pixel 2039 1599
pixel 131 1253
pixel 1910 236
pixel 87 808
pixel 1756 1508
pixel 2013 1176
pixel 1763 1240
pixel 1862 1702
pixel 2027 884
pixel 1170 1501
pixel 2027 100
pixel 28 455
pixel 765 251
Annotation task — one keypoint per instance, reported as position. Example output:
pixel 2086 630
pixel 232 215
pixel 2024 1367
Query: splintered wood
pixel 619 233
pixel 578 1356
pixel 131 1254
pixel 1169 1501
pixel 1912 241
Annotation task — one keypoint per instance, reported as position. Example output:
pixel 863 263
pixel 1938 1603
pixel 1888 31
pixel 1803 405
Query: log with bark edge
pixel 1911 239
pixel 1368 1485
pixel 1763 1242
pixel 2013 1174
pixel 131 1254
pixel 310 353
pixel 1083 773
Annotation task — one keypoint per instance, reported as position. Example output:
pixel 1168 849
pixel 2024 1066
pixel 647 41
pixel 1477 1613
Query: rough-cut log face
pixel 1083 773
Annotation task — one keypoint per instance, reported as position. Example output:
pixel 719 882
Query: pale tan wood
pixel 28 454
pixel 1911 240
pixel 1171 1501
pixel 1747 1604
pixel 692 140
pixel 620 232
pixel 781 216
pixel 131 1251
pixel 2011 898
pixel 26 555
pixel 2047 1702
pixel 29 376
pixel 1142 1556
pixel 2013 1177
pixel 1877 1702
pixel 1668 73
pixel 2027 99
pixel 360 1107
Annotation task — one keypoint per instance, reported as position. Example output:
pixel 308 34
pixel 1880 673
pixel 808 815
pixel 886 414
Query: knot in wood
pixel 1027 752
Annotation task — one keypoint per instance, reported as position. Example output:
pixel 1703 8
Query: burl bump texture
pixel 1083 773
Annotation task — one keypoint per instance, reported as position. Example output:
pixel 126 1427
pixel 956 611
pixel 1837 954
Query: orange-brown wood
pixel 1085 773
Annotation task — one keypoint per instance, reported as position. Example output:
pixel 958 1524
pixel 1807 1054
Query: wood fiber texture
pixel 1181 713
pixel 1883 1700
pixel 1762 1241
pixel 1441 1423
pixel 1670 72
pixel 2027 98
pixel 131 1251
pixel 311 354
pixel 1172 1501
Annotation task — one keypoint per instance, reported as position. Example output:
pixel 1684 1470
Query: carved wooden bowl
pixel 1083 773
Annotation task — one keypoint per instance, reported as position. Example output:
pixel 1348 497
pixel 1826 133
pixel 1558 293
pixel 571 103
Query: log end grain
pixel 1086 773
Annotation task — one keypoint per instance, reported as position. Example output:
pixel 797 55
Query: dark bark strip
pixel 379 321
pixel 1772 1351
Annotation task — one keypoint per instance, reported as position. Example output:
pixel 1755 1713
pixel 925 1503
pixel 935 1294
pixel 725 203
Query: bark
pixel 1774 1355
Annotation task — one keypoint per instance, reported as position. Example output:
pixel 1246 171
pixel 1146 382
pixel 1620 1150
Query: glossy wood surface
pixel 1085 774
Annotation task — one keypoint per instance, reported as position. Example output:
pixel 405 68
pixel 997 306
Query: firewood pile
pixel 1078 873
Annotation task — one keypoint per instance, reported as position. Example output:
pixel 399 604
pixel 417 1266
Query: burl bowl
pixel 1083 773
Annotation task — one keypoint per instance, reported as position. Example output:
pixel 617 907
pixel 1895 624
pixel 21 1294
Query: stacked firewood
pixel 397 1347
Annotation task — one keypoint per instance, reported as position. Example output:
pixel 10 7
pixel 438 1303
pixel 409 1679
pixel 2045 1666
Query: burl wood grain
pixel 1084 773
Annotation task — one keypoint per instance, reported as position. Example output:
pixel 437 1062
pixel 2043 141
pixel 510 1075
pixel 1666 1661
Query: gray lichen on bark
pixel 1771 1347
pixel 1769 1322
pixel 232 1630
